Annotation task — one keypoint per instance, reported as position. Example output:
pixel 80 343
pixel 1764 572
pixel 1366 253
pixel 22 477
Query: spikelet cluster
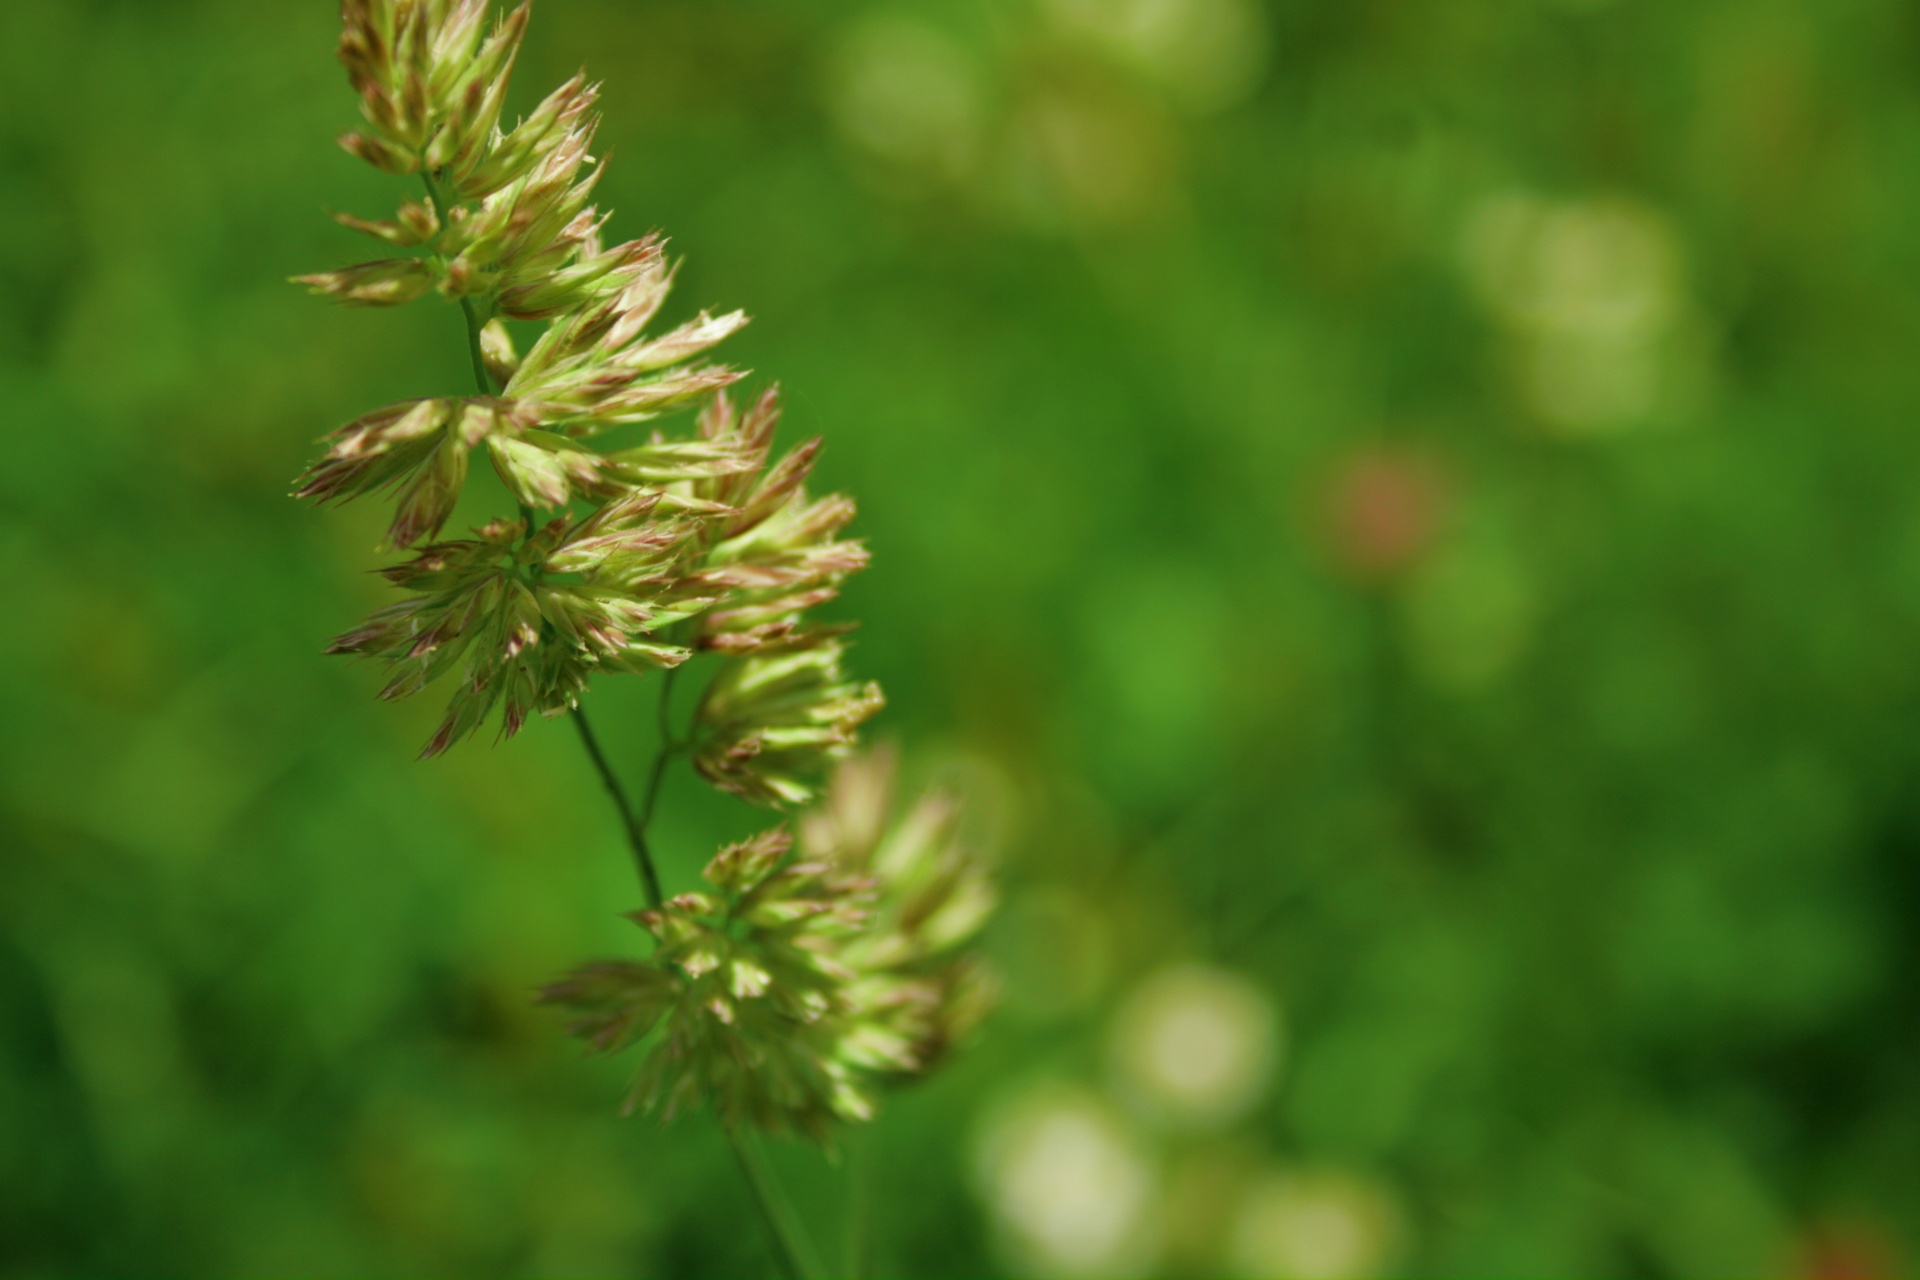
pixel 917 989
pixel 797 982
pixel 803 981
pixel 629 553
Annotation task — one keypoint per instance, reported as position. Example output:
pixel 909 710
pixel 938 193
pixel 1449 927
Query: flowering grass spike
pixel 804 976
pixel 613 546
pixel 795 987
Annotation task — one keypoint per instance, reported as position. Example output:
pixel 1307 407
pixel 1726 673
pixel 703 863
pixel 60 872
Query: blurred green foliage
pixel 1415 503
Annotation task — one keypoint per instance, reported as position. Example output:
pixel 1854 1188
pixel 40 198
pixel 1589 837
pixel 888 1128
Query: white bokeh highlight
pixel 1071 1190
pixel 1195 1047
pixel 1593 294
pixel 1310 1227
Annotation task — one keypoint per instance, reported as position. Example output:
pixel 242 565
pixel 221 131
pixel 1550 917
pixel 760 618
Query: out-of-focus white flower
pixel 1070 1188
pixel 1194 1047
pixel 1600 266
pixel 1311 1227
pixel 1592 292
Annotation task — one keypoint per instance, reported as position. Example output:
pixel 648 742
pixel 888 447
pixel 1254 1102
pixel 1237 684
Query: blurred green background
pixel 1403 515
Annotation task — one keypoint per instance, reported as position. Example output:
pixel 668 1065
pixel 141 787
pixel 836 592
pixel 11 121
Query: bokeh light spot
pixel 1070 1189
pixel 1311 1227
pixel 1195 1046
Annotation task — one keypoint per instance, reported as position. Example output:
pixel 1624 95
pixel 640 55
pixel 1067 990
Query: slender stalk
pixel 782 1225
pixel 636 831
pixel 475 321
pixel 859 1241
pixel 474 352
pixel 668 750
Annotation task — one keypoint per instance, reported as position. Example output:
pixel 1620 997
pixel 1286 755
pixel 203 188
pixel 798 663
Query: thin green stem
pixel 859 1241
pixel 668 750
pixel 475 351
pixel 636 827
pixel 636 830
pixel 475 321
pixel 782 1224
